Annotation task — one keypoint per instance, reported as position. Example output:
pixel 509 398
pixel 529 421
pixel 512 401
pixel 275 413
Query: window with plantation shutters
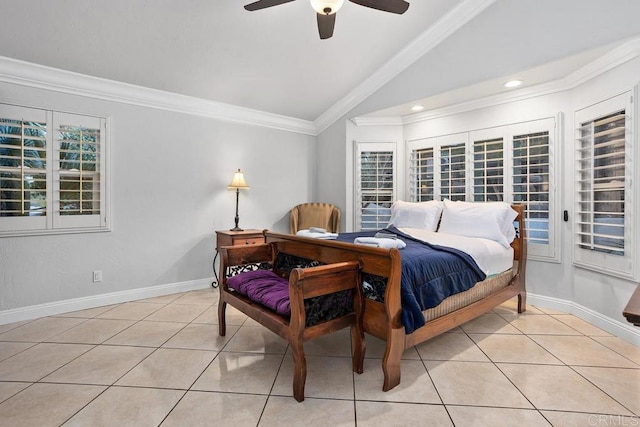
pixel 376 189
pixel 488 170
pixel 453 164
pixel 421 175
pixel 510 163
pixel 52 171
pixel 603 186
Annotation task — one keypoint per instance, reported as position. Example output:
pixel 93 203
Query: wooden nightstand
pixel 234 238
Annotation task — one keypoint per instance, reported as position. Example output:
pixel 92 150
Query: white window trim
pixel 52 223
pixel 625 266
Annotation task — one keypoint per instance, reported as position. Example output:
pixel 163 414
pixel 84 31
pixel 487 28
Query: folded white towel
pixel 380 242
pixel 316 235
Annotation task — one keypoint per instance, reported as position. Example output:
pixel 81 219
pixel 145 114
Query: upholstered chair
pixel 306 215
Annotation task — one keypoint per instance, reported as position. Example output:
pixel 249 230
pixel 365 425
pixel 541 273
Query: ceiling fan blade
pixel 393 6
pixel 263 4
pixel 326 23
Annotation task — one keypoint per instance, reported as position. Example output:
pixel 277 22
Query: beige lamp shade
pixel 238 181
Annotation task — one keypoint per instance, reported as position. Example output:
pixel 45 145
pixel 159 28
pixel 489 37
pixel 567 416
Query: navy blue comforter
pixel 430 273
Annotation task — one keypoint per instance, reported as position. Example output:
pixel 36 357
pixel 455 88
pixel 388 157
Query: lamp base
pixel 236 229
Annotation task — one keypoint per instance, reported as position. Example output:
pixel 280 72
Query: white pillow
pixel 490 220
pixel 424 215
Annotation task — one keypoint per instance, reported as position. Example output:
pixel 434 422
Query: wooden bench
pixel 304 284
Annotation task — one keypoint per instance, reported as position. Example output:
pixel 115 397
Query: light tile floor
pixel 160 361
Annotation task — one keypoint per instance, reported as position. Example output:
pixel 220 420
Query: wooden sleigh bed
pixel 383 317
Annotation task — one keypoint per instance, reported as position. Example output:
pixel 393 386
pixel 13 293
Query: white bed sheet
pixel 491 256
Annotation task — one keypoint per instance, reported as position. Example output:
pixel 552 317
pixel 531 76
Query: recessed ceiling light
pixel 513 83
pixel 417 108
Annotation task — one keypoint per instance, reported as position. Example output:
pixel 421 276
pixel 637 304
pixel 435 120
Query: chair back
pixel 307 215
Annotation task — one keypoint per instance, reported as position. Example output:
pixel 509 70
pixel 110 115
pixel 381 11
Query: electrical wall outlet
pixel 97 276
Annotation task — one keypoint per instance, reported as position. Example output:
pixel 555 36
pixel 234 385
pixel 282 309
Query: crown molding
pixel 38 76
pixel 432 37
pixel 377 121
pixel 618 56
pixel 489 101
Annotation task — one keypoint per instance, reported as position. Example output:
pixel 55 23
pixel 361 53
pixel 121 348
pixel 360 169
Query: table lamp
pixel 237 183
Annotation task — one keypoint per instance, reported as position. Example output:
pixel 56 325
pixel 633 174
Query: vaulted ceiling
pixel 273 60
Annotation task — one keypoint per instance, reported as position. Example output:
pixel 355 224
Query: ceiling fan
pixel 327 9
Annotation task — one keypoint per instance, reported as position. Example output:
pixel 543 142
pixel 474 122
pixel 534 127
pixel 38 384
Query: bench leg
pixel 222 321
pixel 299 370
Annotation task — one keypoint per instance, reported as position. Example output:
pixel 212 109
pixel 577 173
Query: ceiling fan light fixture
pixel 327 7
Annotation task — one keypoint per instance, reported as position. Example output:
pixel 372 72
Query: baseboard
pixel 620 329
pixel 75 304
pixel 615 327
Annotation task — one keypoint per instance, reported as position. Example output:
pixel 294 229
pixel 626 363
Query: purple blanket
pixel 264 287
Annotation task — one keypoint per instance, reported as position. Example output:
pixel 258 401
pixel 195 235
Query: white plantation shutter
pixel 488 170
pixel 533 183
pixel 601 188
pixel 438 168
pixel 52 171
pixel 453 164
pixel 23 168
pixel 421 175
pixel 78 171
pixel 602 230
pixel 375 186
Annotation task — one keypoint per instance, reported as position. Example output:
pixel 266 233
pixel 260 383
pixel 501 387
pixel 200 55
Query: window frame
pixel 622 266
pixel 53 222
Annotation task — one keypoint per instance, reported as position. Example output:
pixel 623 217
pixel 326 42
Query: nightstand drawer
pixel 238 238
pixel 240 241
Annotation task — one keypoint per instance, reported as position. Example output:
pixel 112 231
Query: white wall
pixel 330 161
pixel 169 174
